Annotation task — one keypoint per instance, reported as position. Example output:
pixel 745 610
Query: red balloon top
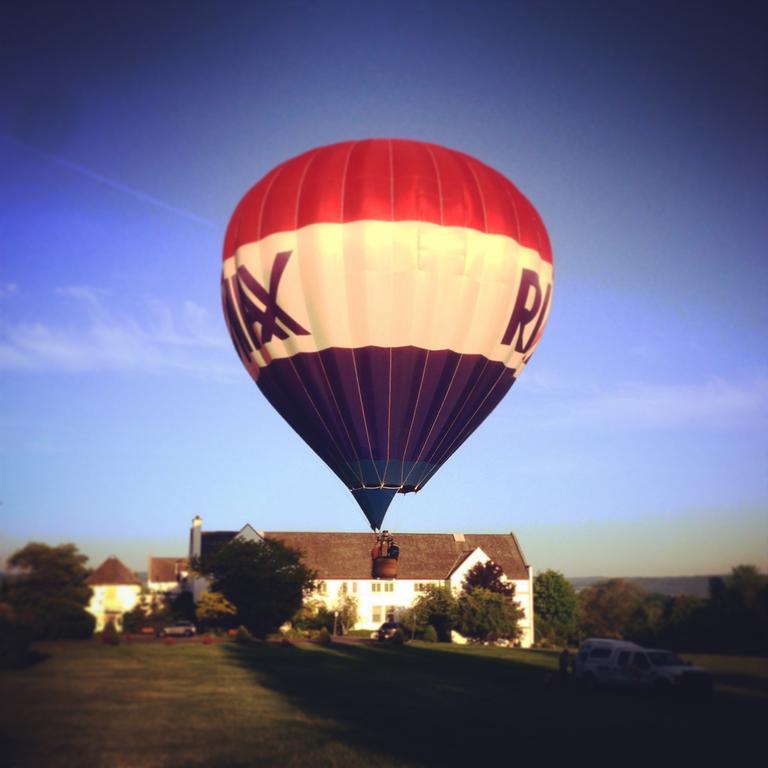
pixel 385 180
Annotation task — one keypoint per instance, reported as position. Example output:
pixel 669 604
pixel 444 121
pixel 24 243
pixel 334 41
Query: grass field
pixel 149 704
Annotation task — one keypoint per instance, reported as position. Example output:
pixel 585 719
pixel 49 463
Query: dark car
pixel 387 630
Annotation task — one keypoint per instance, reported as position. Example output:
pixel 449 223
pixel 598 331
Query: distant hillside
pixel 698 586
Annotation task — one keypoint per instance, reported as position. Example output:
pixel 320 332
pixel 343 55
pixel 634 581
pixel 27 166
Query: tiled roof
pixel 113 571
pixel 166 569
pixel 422 555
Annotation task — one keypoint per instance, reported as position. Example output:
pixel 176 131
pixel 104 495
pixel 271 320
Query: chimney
pixel 196 537
pixel 458 537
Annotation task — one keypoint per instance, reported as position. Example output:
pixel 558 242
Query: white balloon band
pixel 388 284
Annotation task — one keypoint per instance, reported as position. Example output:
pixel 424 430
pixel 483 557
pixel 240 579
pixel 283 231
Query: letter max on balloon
pixel 259 325
pixel 384 295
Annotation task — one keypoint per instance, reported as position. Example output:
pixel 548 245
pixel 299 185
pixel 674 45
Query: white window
pixel 376 586
pixel 376 613
pixel 322 588
pixel 354 587
pixel 421 586
pixel 389 586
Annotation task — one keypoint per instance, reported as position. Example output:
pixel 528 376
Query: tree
pixel 50 595
pixel 152 610
pixel 485 615
pixel 436 606
pixel 265 580
pixel 182 606
pixel 555 607
pixel 215 610
pixel 610 608
pixel 646 623
pixel 737 613
pixel 346 607
pixel 488 576
pixel 683 623
pixel 135 619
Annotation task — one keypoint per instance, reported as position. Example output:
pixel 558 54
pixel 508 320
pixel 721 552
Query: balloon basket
pixel 384 568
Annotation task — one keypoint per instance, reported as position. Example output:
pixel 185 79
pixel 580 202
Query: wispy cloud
pixel 163 340
pixel 86 294
pixel 635 405
pixel 99 178
pixel 8 289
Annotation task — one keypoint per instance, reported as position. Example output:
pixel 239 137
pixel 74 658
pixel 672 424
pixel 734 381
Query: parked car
pixel 618 662
pixel 387 630
pixel 178 629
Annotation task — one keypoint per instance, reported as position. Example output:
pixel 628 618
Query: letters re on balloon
pixel 384 295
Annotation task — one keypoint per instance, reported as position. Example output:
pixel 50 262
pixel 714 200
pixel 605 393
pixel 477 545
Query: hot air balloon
pixel 384 295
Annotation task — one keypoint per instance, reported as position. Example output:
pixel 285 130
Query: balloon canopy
pixel 384 295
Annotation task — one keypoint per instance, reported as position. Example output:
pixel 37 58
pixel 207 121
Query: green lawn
pixel 149 704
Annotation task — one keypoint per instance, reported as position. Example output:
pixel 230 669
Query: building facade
pixel 167 575
pixel 343 565
pixel 116 590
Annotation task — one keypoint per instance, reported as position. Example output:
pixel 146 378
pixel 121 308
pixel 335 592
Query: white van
pixel 597 662
pixel 618 662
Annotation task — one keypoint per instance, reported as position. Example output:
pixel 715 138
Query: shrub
pixel 110 635
pixel 324 637
pixel 243 635
pixel 313 615
pixel 430 634
pixel 398 638
pixel 207 640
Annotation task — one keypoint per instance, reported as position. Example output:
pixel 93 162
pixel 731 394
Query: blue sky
pixel 635 443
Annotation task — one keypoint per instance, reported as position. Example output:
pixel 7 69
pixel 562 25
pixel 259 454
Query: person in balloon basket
pixel 388 546
pixel 385 547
